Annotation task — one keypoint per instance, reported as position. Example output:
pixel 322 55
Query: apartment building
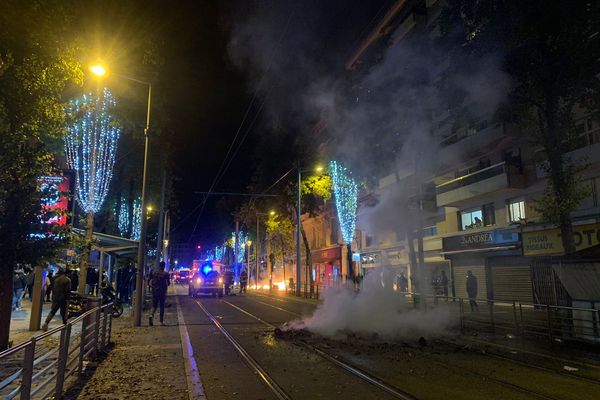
pixel 477 209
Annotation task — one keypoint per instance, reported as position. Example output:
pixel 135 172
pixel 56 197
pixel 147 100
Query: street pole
pixel 161 217
pixel 236 249
pixel 257 253
pixel 139 283
pixel 298 233
pixel 269 265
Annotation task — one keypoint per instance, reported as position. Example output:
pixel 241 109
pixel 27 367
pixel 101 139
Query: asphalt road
pixel 255 363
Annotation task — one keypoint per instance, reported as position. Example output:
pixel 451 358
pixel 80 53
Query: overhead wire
pixel 222 170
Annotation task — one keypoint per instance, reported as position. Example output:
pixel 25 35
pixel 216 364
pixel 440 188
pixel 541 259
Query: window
pixel 430 231
pixel 478 217
pixel 516 210
pixel 471 219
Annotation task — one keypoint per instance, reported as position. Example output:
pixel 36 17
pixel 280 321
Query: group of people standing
pixel 439 284
pixel 125 283
pixel 23 281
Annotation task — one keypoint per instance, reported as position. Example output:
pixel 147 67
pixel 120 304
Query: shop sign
pixel 548 242
pixel 479 240
pixel 327 255
pixel 395 257
pixel 56 191
pixel 369 258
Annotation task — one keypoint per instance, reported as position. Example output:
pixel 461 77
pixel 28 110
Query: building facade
pixel 476 208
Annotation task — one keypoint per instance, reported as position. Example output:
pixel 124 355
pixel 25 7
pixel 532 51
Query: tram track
pixel 346 366
pixel 454 367
pixel 248 359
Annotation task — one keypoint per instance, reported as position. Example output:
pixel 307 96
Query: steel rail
pixel 251 362
pixel 342 364
pixel 499 381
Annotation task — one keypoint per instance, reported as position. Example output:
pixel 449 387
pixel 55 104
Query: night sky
pixel 205 93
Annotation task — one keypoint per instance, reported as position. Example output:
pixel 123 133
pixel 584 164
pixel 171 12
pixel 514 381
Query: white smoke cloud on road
pixel 376 309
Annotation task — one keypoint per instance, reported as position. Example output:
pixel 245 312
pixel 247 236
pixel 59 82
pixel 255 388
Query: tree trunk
pixel 350 266
pixel 85 257
pixel 309 278
pixel 566 233
pixel 554 147
pixel 6 297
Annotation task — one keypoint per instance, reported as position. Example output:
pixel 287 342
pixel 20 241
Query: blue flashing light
pixel 206 269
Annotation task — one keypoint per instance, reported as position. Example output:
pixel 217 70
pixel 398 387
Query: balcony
pixel 487 180
pixel 469 143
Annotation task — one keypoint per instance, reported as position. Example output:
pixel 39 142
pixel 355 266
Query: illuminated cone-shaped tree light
pixel 90 146
pixel 345 192
pixel 123 219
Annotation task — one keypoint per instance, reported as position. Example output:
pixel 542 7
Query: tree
pixel 551 50
pixel 346 194
pixel 36 65
pixel 90 146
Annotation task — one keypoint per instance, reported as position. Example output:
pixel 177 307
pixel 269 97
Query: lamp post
pixel 137 314
pixel 248 244
pixel 299 226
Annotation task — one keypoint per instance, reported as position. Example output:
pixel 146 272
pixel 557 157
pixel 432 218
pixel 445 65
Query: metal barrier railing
pixel 519 318
pixel 47 360
pixel 492 316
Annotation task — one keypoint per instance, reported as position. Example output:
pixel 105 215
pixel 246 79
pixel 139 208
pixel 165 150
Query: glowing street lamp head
pixel 271 212
pixel 149 208
pixel 319 168
pixel 98 70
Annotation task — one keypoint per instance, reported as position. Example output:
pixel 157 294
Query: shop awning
pixel 113 245
pixel 478 250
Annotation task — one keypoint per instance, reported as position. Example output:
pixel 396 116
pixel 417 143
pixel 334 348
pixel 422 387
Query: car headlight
pixel 220 280
pixel 199 281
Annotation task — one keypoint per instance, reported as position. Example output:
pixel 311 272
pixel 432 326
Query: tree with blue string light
pixel 345 191
pixel 90 146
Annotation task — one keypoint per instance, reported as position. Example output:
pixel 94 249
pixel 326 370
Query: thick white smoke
pixel 376 309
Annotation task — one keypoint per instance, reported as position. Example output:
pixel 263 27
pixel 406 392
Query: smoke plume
pixel 376 309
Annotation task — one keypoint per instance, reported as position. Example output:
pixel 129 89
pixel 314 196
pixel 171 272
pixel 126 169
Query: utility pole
pixel 236 249
pixel 257 252
pixel 269 265
pixel 141 254
pixel 161 221
pixel 298 233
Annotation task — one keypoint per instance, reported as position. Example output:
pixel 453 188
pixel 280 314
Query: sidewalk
pixel 19 322
pixel 145 362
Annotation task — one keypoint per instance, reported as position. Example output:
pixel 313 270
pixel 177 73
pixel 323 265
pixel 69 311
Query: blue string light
pixel 219 253
pixel 90 146
pixel 123 219
pixel 242 239
pixel 345 192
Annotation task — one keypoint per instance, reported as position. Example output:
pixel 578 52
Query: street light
pixel 318 168
pixel 99 70
pixel 248 244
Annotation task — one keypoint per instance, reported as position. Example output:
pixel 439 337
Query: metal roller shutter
pixel 512 283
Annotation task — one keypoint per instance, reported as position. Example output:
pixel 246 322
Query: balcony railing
pixel 474 177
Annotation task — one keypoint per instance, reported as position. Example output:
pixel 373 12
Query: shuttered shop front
pixel 460 279
pixel 511 279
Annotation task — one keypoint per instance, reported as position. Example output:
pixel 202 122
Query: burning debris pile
pixel 376 311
